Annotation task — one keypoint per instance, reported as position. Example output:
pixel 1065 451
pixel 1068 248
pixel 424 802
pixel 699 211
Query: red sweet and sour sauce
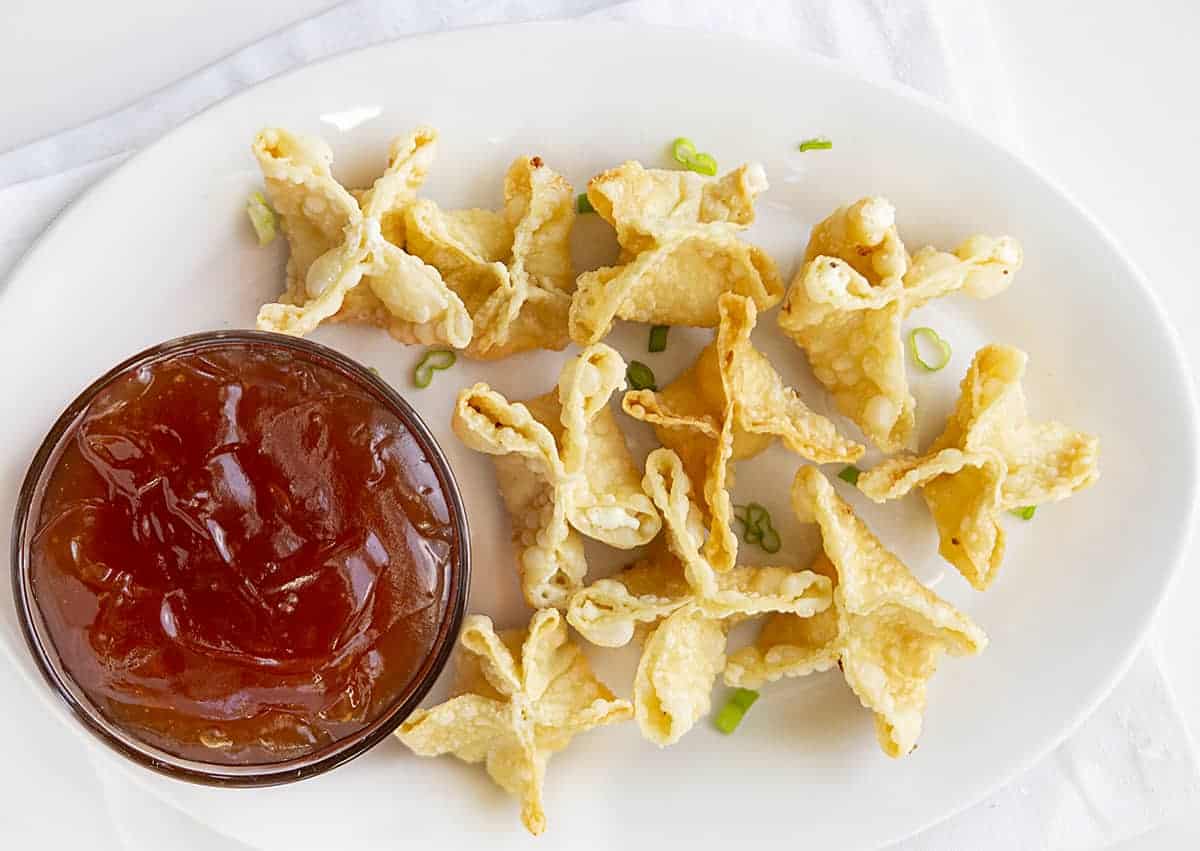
pixel 241 554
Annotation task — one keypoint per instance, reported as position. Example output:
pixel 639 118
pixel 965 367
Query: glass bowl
pixel 38 638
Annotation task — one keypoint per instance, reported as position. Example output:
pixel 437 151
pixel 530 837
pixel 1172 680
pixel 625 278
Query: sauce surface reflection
pixel 241 555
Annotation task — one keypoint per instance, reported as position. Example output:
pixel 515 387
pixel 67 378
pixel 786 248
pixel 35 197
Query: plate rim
pixel 919 100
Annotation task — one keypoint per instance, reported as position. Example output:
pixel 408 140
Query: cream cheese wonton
pixel 495 283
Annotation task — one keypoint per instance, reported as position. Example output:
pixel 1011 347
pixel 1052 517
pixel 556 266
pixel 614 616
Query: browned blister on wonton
pixel 563 467
pixel 347 257
pixel 512 268
pixel 521 697
pixel 886 629
pixel 847 304
pixel 990 459
pixel 730 404
pixel 687 603
pixel 681 249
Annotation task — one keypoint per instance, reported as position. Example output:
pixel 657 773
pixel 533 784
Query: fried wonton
pixel 729 405
pixel 676 589
pixel 522 696
pixel 847 303
pixel 347 259
pixel 562 465
pixel 886 629
pixel 512 269
pixel 991 458
pixel 680 249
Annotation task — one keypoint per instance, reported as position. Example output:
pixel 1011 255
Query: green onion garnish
pixel 756 527
pixel 756 515
pixel 769 539
pixel 704 164
pixel 435 359
pixel 850 474
pixel 684 152
pixel 734 710
pixel 378 374
pixel 658 338
pixel 930 337
pixel 1025 512
pixel 262 217
pixel 816 144
pixel 641 377
pixel 583 205
pixel 683 149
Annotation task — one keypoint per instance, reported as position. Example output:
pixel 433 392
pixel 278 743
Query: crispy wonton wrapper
pixel 512 269
pixel 680 249
pixel 887 629
pixel 563 466
pixel 347 259
pixel 729 405
pixel 991 458
pixel 522 696
pixel 691 604
pixel 847 303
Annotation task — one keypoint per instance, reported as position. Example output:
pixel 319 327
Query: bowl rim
pixel 115 737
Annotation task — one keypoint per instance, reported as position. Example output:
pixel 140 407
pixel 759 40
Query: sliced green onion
pixel 850 474
pixel 434 360
pixel 583 205
pixel 422 375
pixel 685 153
pixel 739 514
pixel 704 164
pixel 756 526
pixel 641 377
pixel 932 338
pixel 769 539
pixel 378 374
pixel 1025 512
pixel 262 217
pixel 658 338
pixel 683 149
pixel 734 710
pixel 757 515
pixel 815 144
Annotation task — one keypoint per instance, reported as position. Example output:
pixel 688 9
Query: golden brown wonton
pixel 730 404
pixel 886 629
pixel 847 303
pixel 680 249
pixel 512 269
pixel 689 605
pixel 991 458
pixel 347 259
pixel 522 696
pixel 563 466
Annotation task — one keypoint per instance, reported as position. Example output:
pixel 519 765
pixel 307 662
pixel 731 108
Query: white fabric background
pixel 1127 769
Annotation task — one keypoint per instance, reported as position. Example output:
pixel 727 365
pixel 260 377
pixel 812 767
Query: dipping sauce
pixel 243 554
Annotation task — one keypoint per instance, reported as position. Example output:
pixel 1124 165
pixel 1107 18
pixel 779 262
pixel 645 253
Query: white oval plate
pixel 163 248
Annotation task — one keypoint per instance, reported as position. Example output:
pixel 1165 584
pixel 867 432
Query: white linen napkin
pixel 1126 770
pixel 905 40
